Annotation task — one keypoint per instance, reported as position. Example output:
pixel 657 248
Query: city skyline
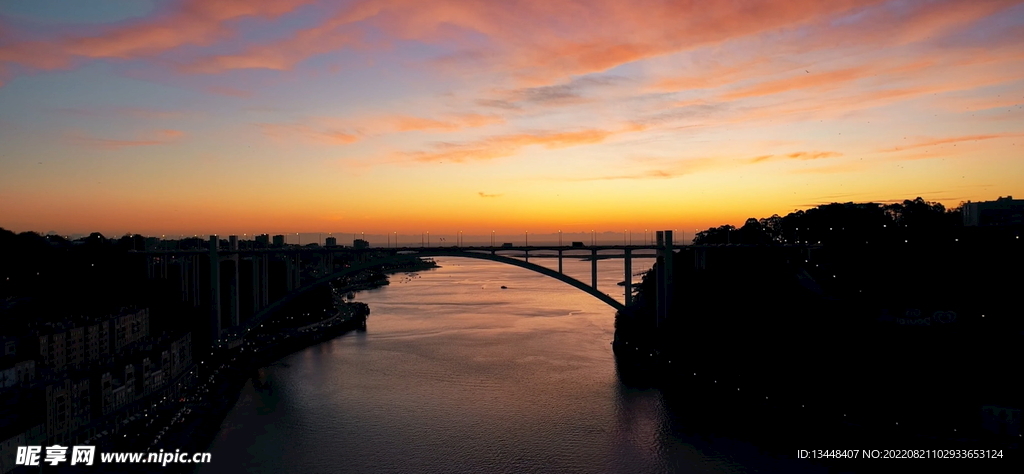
pixel 169 118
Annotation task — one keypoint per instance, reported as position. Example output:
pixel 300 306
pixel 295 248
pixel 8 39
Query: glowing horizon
pixel 380 116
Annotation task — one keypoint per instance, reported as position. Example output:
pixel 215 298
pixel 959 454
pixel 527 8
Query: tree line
pixel 839 222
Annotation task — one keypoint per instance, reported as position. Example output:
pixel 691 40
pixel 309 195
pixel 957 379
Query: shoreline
pixel 236 369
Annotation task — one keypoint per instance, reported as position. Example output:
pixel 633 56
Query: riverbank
pixel 712 405
pixel 787 368
pixel 222 375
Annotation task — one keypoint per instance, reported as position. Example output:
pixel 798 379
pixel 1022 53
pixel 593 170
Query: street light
pixel 559 238
pixel 492 238
pixel 527 238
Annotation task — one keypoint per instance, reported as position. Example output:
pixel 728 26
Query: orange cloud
pixel 507 145
pixel 158 137
pixel 305 132
pixel 804 155
pixel 804 81
pixel 946 141
pixel 405 123
pixel 799 155
pixel 964 71
pixel 664 169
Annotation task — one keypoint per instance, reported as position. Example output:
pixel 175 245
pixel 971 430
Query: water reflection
pixel 456 375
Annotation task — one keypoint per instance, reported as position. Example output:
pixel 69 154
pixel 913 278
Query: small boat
pixel 504 287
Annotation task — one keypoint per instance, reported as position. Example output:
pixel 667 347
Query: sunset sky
pixel 376 116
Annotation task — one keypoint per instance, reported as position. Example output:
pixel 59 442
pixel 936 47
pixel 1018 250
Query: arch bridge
pixel 257 282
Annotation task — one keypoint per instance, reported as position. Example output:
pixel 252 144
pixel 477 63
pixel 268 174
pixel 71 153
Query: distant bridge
pixel 300 269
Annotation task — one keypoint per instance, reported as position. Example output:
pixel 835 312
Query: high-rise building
pixel 331 242
pixel 1004 211
pixel 279 240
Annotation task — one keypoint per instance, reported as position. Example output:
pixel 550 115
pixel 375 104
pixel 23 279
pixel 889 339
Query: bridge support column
pixel 265 281
pixel 197 289
pixel 559 261
pixel 660 291
pixel 233 287
pixel 669 270
pixel 257 285
pixel 593 268
pixel 183 277
pixel 629 276
pixel 190 279
pixel 288 271
pixel 215 302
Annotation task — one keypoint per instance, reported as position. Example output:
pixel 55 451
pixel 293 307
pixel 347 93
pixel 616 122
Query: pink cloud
pixel 229 91
pixel 190 22
pixel 540 42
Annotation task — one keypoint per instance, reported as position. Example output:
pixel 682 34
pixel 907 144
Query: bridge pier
pixel 215 302
pixel 629 276
pixel 183 280
pixel 233 289
pixel 664 275
pixel 593 268
pixel 257 284
pixel 190 280
pixel 559 261
pixel 265 281
pixel 289 279
pixel 669 270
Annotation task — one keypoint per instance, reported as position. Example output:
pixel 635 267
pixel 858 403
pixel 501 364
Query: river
pixel 455 374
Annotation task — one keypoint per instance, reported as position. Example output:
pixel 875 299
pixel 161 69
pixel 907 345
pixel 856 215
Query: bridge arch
pixel 262 314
